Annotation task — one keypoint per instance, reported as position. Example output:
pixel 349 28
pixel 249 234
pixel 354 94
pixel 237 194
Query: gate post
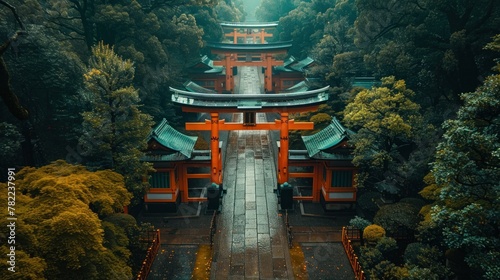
pixel 268 76
pixel 215 172
pixel 283 150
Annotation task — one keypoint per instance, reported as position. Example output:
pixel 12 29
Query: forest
pixel 83 82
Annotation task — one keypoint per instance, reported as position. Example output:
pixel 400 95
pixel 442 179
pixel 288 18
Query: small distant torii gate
pixel 248 28
pixel 260 55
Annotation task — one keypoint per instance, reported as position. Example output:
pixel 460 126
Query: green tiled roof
pixel 194 87
pixel 205 65
pixel 300 65
pixel 172 139
pixel 300 87
pixel 250 48
pixel 291 64
pixel 330 136
pixel 305 85
pixel 249 24
pixel 249 101
pixel 365 82
pixel 291 59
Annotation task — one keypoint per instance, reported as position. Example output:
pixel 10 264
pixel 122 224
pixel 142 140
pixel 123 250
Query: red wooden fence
pixel 150 256
pixel 353 259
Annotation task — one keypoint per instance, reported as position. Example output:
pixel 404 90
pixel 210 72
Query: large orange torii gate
pixel 260 55
pixel 248 28
pixel 277 103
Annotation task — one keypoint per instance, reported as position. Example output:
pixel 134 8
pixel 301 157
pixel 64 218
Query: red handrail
pixel 150 257
pixel 359 274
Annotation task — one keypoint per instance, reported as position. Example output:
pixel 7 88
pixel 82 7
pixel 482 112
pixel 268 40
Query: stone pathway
pixel 251 238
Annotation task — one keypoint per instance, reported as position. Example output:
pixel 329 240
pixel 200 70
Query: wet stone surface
pixel 249 246
pixel 326 261
pixel 174 262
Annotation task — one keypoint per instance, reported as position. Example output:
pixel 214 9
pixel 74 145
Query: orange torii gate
pixel 260 55
pixel 278 103
pixel 248 28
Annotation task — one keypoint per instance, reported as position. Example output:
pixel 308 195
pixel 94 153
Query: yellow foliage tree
pixel 387 122
pixel 373 233
pixel 59 228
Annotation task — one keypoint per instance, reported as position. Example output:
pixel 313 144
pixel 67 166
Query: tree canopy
pixel 115 129
pixel 60 229
pixel 466 170
pixel 387 121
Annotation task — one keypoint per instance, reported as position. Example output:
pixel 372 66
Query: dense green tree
pixel 435 45
pixel 466 170
pixel 378 253
pixel 398 218
pixel 59 233
pixel 228 12
pixel 46 75
pixel 160 37
pixel 387 122
pixel 273 10
pixel 114 129
pixel 304 25
pixel 10 143
pixel 336 51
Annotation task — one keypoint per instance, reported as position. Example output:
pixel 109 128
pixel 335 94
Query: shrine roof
pixel 305 85
pixel 258 48
pixel 302 86
pixel 205 65
pixel 194 87
pixel 291 64
pixel 300 65
pixel 365 82
pixel 249 24
pixel 249 101
pixel 327 138
pixel 172 139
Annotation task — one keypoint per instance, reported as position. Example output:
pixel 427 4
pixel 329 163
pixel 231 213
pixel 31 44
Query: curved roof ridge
pixel 328 137
pixel 249 24
pixel 172 139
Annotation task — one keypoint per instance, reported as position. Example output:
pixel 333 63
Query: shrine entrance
pixel 249 105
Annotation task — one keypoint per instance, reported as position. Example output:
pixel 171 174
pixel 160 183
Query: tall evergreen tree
pixel 467 173
pixel 115 129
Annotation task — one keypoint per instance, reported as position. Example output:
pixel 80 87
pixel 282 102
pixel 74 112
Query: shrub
pixel 359 222
pixel 373 233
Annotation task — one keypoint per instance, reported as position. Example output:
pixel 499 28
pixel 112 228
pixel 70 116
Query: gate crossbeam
pixel 276 125
pixel 249 103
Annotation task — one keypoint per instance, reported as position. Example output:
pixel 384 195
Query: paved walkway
pixel 251 240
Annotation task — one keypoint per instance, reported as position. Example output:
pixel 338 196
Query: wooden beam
pixel 248 63
pixel 276 125
pixel 273 52
pixel 221 109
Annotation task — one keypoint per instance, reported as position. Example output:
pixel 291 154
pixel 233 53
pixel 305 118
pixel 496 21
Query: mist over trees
pixel 427 131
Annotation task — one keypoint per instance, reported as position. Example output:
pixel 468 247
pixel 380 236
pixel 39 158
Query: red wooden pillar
pixel 183 179
pixel 235 36
pixel 268 81
pixel 262 36
pixel 283 151
pixel 216 168
pixel 229 72
pixel 318 181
